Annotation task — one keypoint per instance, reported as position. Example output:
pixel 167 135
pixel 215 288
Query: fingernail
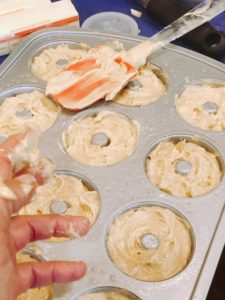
pixel 43 170
pixel 6 193
pixel 26 179
pixel 27 183
pixel 80 269
pixel 26 189
pixel 33 136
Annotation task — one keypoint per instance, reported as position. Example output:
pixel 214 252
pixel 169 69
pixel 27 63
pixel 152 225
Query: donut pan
pixel 125 184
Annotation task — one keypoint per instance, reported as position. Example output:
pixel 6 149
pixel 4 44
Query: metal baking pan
pixel 125 184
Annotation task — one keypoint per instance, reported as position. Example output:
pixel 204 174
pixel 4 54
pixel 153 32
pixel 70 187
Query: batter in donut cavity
pixel 43 293
pixel 183 169
pixel 150 243
pixel 34 107
pixel 52 61
pixel 203 106
pixel 66 195
pixel 107 295
pixel 101 139
pixel 147 87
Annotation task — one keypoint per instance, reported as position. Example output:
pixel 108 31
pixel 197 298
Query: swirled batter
pixel 121 132
pixel 43 293
pixel 205 173
pixel 127 252
pixel 190 105
pixel 47 64
pixel 80 200
pixel 34 107
pixel 107 295
pixel 151 88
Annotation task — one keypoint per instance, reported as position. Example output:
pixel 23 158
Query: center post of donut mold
pixel 100 139
pixel 134 85
pixel 58 207
pixel 183 167
pixel 62 63
pixel 149 241
pixel 210 107
pixel 24 113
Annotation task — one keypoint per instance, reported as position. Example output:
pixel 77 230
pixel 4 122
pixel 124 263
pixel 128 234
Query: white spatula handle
pixel 192 19
pixel 197 16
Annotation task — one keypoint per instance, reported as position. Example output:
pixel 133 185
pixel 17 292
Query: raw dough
pixel 81 201
pixel 152 88
pixel 122 132
pixel 107 295
pixel 190 106
pixel 44 112
pixel 45 66
pixel 128 254
pixel 204 176
pixel 43 293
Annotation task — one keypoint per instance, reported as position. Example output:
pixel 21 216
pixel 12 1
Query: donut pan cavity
pixel 125 183
pixel 108 289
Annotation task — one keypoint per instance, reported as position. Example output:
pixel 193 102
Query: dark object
pixel 204 39
pixel 217 289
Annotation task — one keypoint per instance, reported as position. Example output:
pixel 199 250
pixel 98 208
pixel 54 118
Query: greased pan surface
pixel 125 185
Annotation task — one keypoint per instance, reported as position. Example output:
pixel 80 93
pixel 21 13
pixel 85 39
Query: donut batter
pixel 43 293
pixel 121 132
pixel 34 107
pixel 47 64
pixel 205 173
pixel 151 88
pixel 127 252
pixel 191 106
pixel 107 295
pixel 80 200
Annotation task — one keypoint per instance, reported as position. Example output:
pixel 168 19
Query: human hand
pixel 19 177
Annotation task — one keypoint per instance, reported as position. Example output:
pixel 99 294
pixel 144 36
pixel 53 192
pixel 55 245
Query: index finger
pixel 27 229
